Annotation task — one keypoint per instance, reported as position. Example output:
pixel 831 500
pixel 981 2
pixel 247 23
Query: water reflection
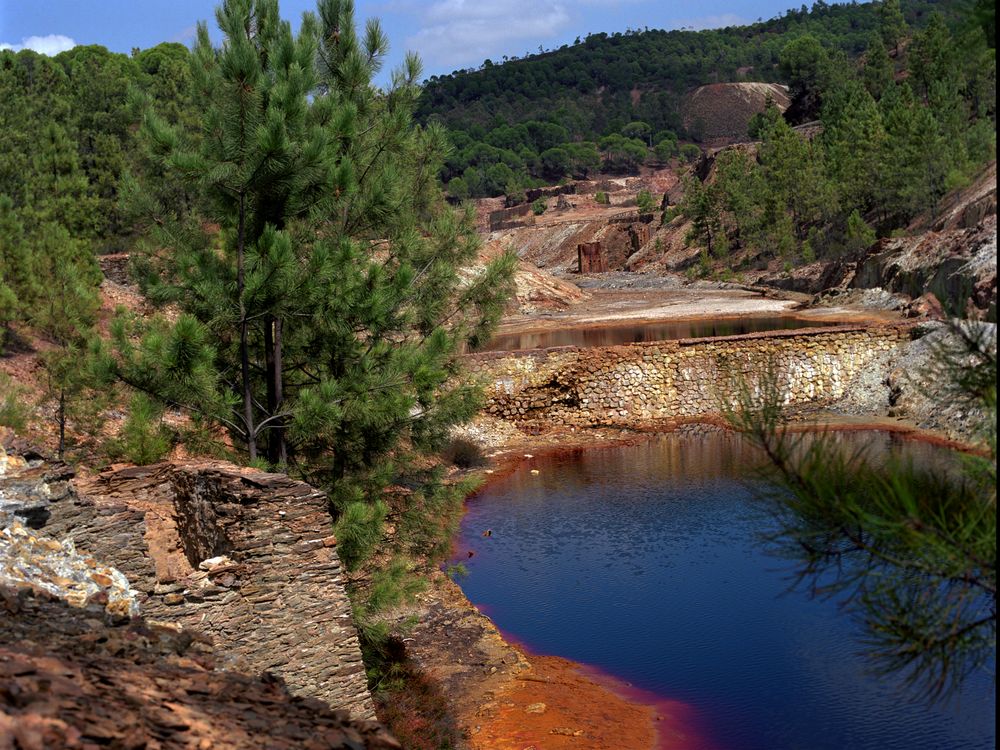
pixel 646 562
pixel 630 334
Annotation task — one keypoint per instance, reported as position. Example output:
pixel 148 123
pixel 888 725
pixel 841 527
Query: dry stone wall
pixel 637 383
pixel 246 558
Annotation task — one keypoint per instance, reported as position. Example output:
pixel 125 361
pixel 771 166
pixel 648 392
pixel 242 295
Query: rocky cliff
pixel 240 573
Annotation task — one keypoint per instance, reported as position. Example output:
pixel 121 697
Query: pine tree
pixel 317 267
pixel 892 25
pixel 16 281
pixel 65 310
pixel 879 71
pixel 931 57
pixel 854 137
pixel 59 191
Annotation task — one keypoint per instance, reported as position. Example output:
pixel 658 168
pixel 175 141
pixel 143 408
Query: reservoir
pixel 631 333
pixel 648 563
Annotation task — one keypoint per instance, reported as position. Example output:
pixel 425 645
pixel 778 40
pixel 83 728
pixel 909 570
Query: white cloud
pixel 50 44
pixel 465 32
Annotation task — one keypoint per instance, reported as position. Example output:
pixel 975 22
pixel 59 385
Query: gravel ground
pixel 922 388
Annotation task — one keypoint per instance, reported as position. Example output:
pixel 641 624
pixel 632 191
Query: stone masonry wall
pixel 637 383
pixel 245 557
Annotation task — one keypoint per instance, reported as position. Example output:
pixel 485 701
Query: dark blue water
pixel 647 562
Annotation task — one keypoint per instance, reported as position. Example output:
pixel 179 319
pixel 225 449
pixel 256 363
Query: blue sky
pixel 448 34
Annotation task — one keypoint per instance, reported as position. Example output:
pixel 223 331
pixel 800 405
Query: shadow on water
pixel 632 333
pixel 646 562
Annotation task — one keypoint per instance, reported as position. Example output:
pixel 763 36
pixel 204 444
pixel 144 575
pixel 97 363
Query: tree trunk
pixel 62 423
pixel 277 452
pixel 245 337
pixel 279 396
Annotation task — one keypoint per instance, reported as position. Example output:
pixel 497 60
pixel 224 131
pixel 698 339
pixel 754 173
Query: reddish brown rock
pixel 76 679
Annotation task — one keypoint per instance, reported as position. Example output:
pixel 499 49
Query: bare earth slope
pixel 721 111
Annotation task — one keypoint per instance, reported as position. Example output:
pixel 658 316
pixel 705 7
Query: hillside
pixel 612 103
pixel 641 75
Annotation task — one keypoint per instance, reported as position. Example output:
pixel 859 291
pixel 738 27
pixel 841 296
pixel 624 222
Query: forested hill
pixel 641 75
pixel 615 102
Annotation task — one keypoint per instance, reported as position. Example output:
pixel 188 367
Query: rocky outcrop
pixel 34 561
pixel 79 666
pixel 76 679
pixel 720 112
pixel 958 266
pixel 246 558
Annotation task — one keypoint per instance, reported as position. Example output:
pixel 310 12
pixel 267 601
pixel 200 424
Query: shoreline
pixel 585 704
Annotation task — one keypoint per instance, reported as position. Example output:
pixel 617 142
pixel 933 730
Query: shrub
pixel 644 200
pixel 393 585
pixel 358 530
pixel 464 453
pixel 144 439
pixel 601 197
pixel 690 153
pixel 13 412
pixel 539 206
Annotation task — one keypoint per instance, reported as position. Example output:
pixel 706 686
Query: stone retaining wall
pixel 244 557
pixel 637 383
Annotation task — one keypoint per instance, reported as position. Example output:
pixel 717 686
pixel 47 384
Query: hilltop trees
pixel 315 266
pixel 633 85
pixel 887 149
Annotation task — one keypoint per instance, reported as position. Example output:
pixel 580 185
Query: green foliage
pixel 909 549
pixel 143 439
pixel 359 530
pixel 539 206
pixel 314 260
pixel 690 153
pixel 393 585
pixel 878 71
pixel 805 66
pixel 891 23
pixel 644 200
pixel 51 280
pixel 860 236
pixel 526 113
pixel 622 154
pixel 514 112
pixel 14 411
pixel 666 149
pixel 639 130
pixel 886 153
pixel 601 197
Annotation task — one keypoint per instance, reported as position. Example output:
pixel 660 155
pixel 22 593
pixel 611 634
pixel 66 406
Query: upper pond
pixel 647 563
pixel 635 332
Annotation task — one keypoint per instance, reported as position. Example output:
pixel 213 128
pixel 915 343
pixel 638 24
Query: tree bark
pixel 276 449
pixel 278 431
pixel 62 423
pixel 245 336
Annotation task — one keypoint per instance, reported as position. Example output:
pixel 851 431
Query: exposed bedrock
pixel 243 557
pixel 84 678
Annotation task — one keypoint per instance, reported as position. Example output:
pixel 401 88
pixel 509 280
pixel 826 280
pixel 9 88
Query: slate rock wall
pixel 245 557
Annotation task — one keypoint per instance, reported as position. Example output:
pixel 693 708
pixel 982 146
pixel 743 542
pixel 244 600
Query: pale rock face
pixel 36 561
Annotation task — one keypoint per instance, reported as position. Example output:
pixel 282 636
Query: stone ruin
pixel 245 558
